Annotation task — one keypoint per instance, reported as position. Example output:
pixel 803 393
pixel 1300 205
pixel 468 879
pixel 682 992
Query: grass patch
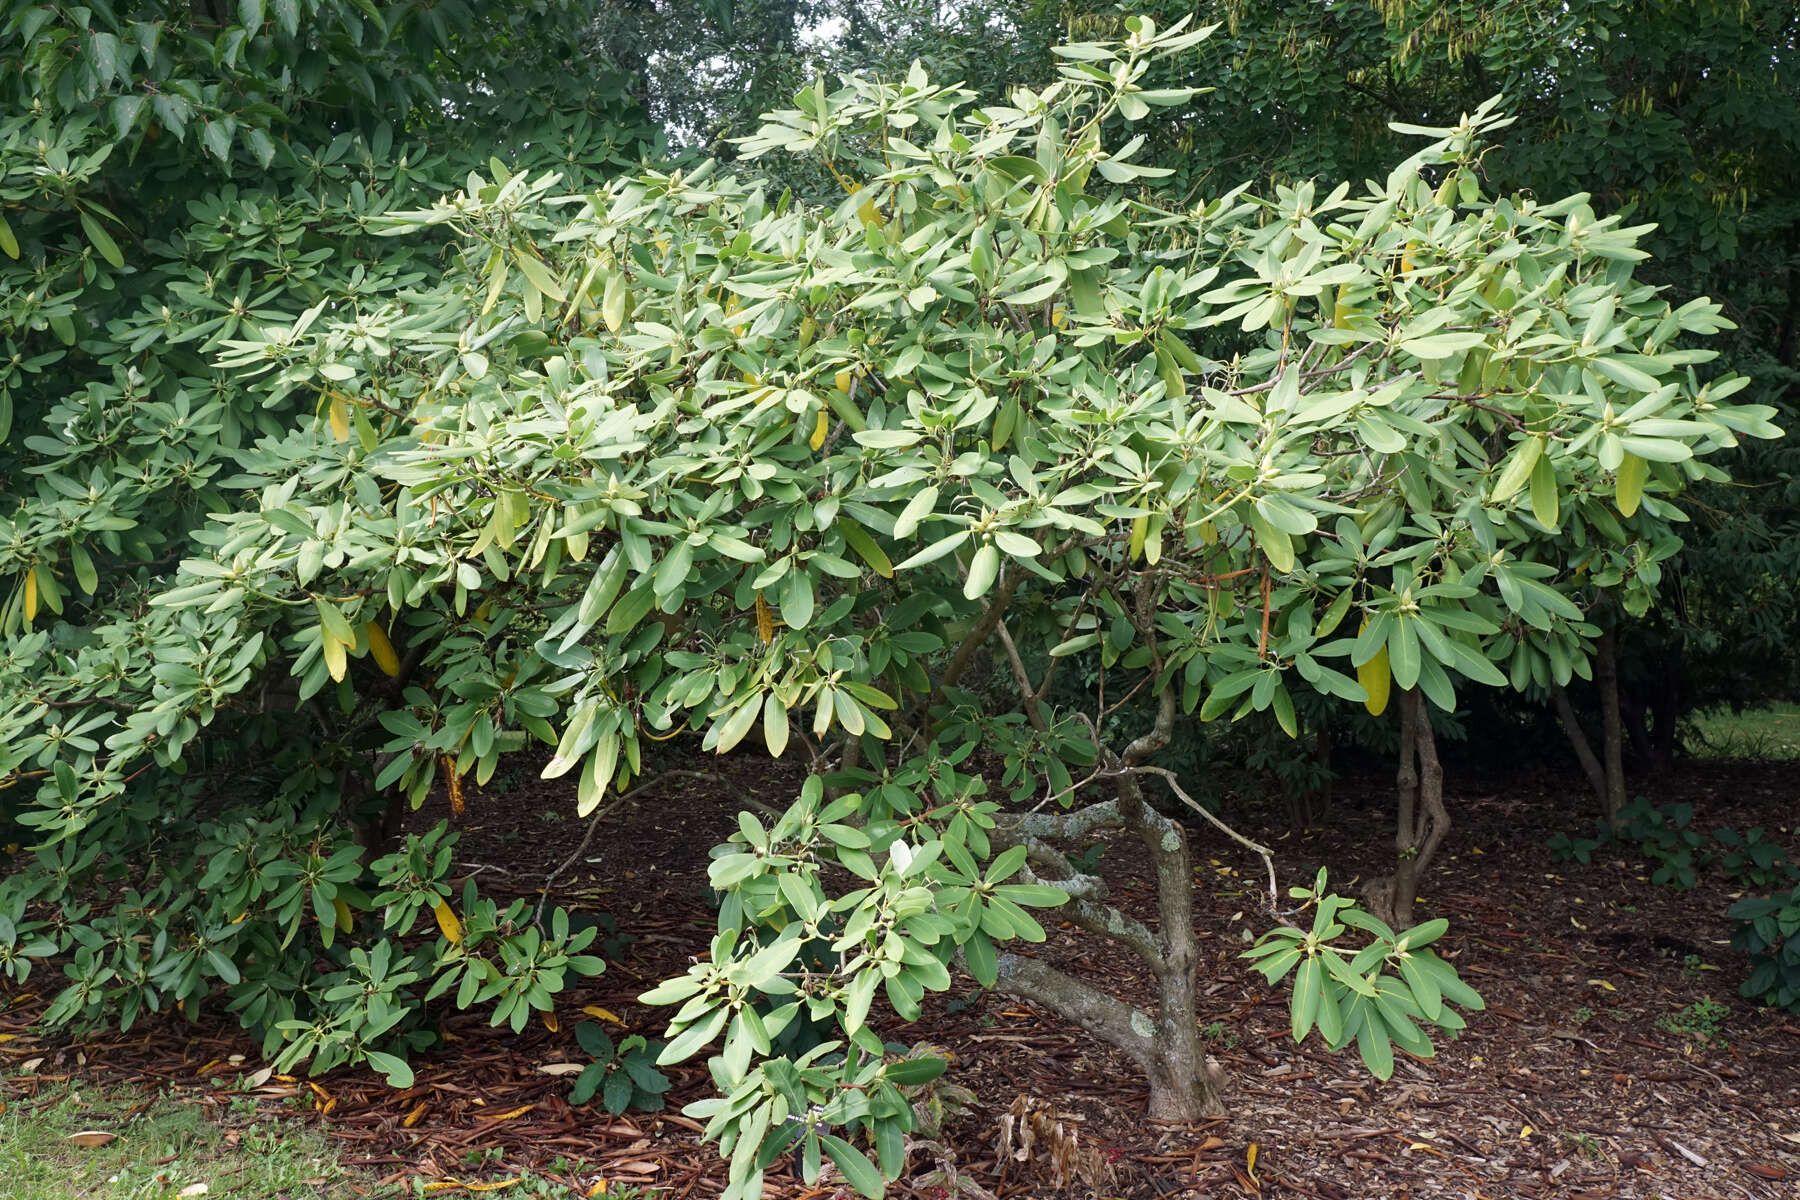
pixel 1769 734
pixel 163 1147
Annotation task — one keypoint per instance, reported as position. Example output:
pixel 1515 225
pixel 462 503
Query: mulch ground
pixel 1579 1082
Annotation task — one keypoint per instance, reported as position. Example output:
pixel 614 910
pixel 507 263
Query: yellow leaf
pixel 343 913
pixel 335 657
pixel 1629 483
pixel 507 1116
pixel 340 418
pixel 604 1014
pixel 1140 527
pixel 447 923
pixel 413 1118
pixel 599 1189
pixel 30 594
pixel 1525 1133
pixel 765 621
pixel 382 650
pixel 551 1022
pixel 1376 680
pixel 821 429
pixel 843 379
pixel 1250 1162
pixel 452 784
pixel 866 212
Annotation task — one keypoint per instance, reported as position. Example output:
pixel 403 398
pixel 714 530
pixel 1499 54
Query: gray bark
pixel 1421 822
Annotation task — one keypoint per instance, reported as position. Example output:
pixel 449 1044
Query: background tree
pixel 173 177
pixel 1677 113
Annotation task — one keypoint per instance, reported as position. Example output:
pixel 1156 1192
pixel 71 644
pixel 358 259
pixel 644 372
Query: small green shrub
pixel 1702 1021
pixel 275 914
pixel 1751 859
pixel 1564 848
pixel 1378 996
pixel 624 1075
pixel 1664 835
pixel 1770 934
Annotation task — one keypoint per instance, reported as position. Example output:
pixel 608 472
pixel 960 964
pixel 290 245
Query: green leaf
pixel 102 241
pixel 982 960
pixel 1304 1007
pixel 775 725
pixel 1422 935
pixel 858 1171
pixel 910 1071
pixel 866 547
pixel 915 512
pixel 1376 1048
pixel 1519 466
pixel 540 277
pixel 1424 987
pixel 1626 374
pixel 1441 345
pixel 1629 483
pixel 1544 503
pixel 398 1074
pixel 216 137
pixel 983 569
pixel 935 551
pixel 734 727
pixel 797 601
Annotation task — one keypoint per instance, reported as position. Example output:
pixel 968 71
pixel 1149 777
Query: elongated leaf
pixel 1629 483
pixel 1517 472
pixel 858 1171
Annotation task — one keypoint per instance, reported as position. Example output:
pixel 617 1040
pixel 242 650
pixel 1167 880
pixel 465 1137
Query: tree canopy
pixel 380 456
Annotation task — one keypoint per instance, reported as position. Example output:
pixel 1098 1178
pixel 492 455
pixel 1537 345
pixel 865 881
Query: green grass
pixel 162 1145
pixel 1770 734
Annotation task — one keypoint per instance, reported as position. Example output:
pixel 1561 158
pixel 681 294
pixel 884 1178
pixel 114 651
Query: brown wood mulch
pixel 1578 1083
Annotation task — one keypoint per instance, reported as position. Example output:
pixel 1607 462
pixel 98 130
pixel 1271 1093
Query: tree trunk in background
pixel 1421 822
pixel 1612 735
pixel 1665 711
pixel 1578 741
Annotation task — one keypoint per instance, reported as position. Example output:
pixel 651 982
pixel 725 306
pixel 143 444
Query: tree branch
pixel 594 823
pixel 1108 1018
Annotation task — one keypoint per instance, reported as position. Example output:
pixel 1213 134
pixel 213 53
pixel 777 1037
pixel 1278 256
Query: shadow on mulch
pixel 1590 1076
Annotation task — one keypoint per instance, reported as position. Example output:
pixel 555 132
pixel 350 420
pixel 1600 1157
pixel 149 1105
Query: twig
pixel 1260 850
pixel 594 823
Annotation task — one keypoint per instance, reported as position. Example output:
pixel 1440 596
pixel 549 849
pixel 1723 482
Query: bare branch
pixel 601 814
pixel 1257 848
pixel 1107 1017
